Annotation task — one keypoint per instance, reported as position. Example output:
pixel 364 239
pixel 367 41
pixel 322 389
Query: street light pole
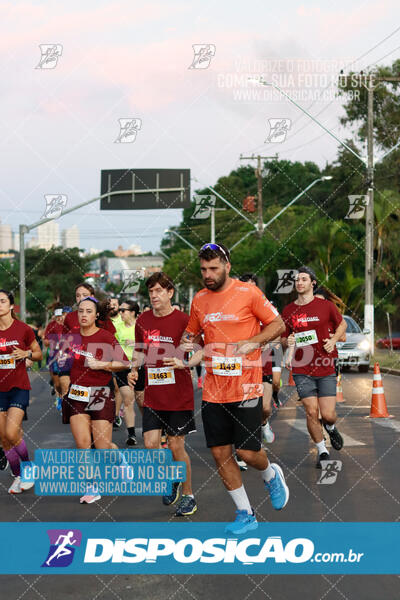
pixel 231 206
pixel 325 178
pixel 23 229
pixel 265 225
pixel 266 83
pixel 180 237
pixel 22 287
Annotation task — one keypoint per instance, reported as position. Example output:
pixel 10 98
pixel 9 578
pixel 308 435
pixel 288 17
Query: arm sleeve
pixel 262 307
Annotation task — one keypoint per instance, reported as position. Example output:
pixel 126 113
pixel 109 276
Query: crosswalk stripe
pixel 390 423
pixel 301 425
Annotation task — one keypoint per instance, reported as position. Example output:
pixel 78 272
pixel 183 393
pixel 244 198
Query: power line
pixel 344 68
pixel 383 57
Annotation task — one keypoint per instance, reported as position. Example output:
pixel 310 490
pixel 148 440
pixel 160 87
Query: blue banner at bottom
pixel 198 548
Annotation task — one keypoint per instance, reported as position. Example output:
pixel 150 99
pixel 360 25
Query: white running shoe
pixel 27 485
pixel 89 498
pixel 267 433
pixel 241 463
pixel 15 487
pixel 91 495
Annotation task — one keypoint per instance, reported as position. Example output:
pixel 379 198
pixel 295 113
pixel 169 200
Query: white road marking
pixel 390 423
pixel 301 425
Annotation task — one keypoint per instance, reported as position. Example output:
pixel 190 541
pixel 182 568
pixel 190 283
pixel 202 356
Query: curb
pixel 387 370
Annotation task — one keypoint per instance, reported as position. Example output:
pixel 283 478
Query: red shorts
pixel 102 409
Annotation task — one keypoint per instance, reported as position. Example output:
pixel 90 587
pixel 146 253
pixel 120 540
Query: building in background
pixel 6 239
pixel 133 250
pixel 48 235
pixel 70 237
pixel 15 237
pixel 32 243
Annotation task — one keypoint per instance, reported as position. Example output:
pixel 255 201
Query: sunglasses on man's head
pixel 211 246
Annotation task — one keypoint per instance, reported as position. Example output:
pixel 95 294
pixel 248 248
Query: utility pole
pixel 370 81
pixel 258 172
pixel 213 209
pixel 370 222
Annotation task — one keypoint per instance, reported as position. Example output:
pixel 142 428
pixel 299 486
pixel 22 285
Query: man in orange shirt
pixel 228 312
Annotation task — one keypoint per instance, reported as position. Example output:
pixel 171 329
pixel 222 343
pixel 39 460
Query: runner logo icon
pixel 62 547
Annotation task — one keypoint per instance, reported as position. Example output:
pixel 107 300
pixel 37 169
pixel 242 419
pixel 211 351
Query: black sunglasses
pixel 124 309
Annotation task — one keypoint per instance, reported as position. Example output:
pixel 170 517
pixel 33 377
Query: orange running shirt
pixel 225 318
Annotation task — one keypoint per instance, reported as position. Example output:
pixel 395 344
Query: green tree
pixel 386 105
pixel 50 278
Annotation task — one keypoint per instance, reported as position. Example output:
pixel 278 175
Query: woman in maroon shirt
pixel 17 343
pixel 89 406
pixel 71 328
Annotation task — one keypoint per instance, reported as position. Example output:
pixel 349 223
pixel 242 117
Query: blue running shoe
pixel 174 495
pixel 277 488
pixel 58 403
pixel 243 522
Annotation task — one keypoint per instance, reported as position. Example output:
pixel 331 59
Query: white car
pixel 356 350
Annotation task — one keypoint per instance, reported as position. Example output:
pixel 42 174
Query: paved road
pixel 367 489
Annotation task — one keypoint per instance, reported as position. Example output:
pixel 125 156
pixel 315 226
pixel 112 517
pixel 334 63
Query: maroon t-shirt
pixel 18 335
pixel 316 320
pixel 71 322
pixel 53 333
pixel 160 337
pixel 102 345
pixel 108 325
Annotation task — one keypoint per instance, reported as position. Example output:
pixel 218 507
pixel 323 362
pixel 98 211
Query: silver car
pixel 355 351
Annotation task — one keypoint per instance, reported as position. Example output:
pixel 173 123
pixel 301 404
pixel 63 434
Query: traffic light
pixel 249 204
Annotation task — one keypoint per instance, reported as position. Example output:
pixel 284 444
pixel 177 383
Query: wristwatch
pixel 30 354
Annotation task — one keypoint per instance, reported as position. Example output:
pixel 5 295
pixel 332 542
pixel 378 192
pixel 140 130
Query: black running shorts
pixel 233 423
pixel 141 380
pixel 172 422
pixel 121 377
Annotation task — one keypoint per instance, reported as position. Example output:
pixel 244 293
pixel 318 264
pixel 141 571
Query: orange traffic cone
pixel 378 402
pixel 339 391
pixel 291 380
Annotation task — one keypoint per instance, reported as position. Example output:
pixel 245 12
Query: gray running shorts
pixel 321 387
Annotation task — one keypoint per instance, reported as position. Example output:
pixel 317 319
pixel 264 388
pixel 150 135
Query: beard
pixel 113 312
pixel 217 284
